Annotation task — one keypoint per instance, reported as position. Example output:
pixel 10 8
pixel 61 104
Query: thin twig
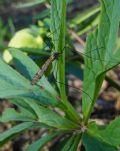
pixel 77 37
pixel 113 83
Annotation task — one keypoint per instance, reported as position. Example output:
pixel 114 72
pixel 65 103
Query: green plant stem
pixel 71 111
pixel 62 57
pixel 73 115
pixel 59 11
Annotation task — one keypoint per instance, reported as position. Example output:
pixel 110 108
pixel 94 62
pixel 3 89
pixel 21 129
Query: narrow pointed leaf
pixel 38 145
pixel 12 115
pixel 5 136
pixel 72 143
pixel 51 118
pixel 82 17
pixel 30 4
pixel 23 104
pixel 28 68
pixel 14 85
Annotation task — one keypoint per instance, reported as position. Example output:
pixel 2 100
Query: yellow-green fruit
pixel 23 39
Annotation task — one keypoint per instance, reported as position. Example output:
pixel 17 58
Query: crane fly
pixel 45 66
pixel 41 71
pixel 52 58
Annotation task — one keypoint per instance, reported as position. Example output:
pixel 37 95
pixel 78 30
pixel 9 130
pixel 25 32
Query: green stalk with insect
pixel 58 18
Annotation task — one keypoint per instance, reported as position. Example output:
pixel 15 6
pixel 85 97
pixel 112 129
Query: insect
pixel 41 71
pixel 52 58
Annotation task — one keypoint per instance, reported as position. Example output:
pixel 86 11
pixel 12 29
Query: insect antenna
pixel 78 89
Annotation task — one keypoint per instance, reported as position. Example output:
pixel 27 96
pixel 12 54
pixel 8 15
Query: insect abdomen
pixel 41 71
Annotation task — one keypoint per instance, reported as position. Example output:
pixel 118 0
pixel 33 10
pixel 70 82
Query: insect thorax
pixel 56 55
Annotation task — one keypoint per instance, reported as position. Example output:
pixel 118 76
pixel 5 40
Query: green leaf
pixel 23 104
pixel 108 133
pixel 88 27
pixel 24 63
pixel 28 105
pixel 37 51
pixel 38 145
pixel 12 115
pixel 84 16
pixel 51 118
pixel 111 133
pixel 95 129
pixel 25 107
pixel 72 143
pixel 5 136
pixel 94 144
pixel 67 143
pixel 104 59
pixel 14 85
pixel 30 4
pixel 86 21
pixel 41 15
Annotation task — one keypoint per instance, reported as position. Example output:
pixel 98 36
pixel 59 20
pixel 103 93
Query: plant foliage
pixel 41 106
